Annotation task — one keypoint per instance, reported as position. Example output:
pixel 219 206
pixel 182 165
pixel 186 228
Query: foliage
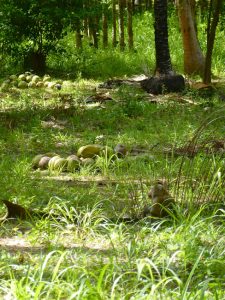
pixel 31 26
pixel 181 257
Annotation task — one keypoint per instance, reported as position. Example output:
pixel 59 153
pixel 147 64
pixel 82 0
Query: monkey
pixel 162 201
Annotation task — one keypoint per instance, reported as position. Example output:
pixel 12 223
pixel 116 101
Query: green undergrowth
pixel 80 251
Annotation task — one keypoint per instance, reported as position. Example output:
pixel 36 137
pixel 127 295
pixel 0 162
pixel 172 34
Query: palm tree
pixel 165 79
pixel 163 61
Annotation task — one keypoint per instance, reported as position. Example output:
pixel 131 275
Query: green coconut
pixel 87 161
pixel 46 83
pixel 22 77
pixel 31 84
pixel 46 78
pixel 5 87
pixel 35 160
pixel 29 78
pixel 14 83
pixel 52 162
pixel 59 81
pixel 13 77
pixel 51 85
pixel 43 162
pixel 40 84
pixel 51 154
pixel 35 78
pixel 73 163
pixel 60 164
pixel 7 81
pixel 22 85
pixel 89 151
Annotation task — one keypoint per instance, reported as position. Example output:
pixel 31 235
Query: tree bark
pixel 114 35
pixel 193 57
pixel 121 24
pixel 211 38
pixel 165 80
pixel 105 25
pixel 163 61
pixel 130 24
pixel 78 35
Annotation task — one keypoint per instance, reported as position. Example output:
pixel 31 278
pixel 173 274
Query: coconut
pixel 58 86
pixel 31 84
pixel 22 77
pixel 40 84
pixel 89 151
pixel 52 162
pixel 5 87
pixel 36 78
pixel 35 160
pixel 46 83
pixel 14 83
pixel 29 78
pixel 51 154
pixel 60 164
pixel 73 163
pixel 43 162
pixel 87 162
pixel 22 85
pixel 13 77
pixel 51 85
pixel 46 78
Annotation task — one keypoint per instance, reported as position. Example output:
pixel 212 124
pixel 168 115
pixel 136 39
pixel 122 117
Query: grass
pixel 181 257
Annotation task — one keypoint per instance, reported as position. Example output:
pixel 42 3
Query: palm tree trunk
pixel 163 61
pixel 114 41
pixel 130 24
pixel 121 24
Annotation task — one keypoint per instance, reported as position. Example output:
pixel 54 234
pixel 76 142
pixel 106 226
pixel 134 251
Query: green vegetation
pixel 181 257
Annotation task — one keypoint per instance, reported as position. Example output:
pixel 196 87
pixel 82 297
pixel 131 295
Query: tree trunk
pixel 85 20
pixel 163 61
pixel 114 41
pixel 95 32
pixel 211 38
pixel 78 35
pixel 105 25
pixel 148 5
pixel 121 24
pixel 130 24
pixel 165 80
pixel 193 57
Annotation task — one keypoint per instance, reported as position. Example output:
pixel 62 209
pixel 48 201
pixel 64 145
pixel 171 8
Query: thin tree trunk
pixel 121 24
pixel 148 5
pixel 193 57
pixel 114 15
pixel 78 35
pixel 130 25
pixel 163 61
pixel 85 19
pixel 210 40
pixel 105 25
pixel 95 32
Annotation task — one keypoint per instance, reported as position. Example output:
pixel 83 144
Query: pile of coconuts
pixel 29 80
pixel 85 156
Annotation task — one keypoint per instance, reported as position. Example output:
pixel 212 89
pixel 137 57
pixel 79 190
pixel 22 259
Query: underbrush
pixel 82 250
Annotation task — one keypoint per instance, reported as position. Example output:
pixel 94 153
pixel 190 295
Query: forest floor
pixel 179 137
